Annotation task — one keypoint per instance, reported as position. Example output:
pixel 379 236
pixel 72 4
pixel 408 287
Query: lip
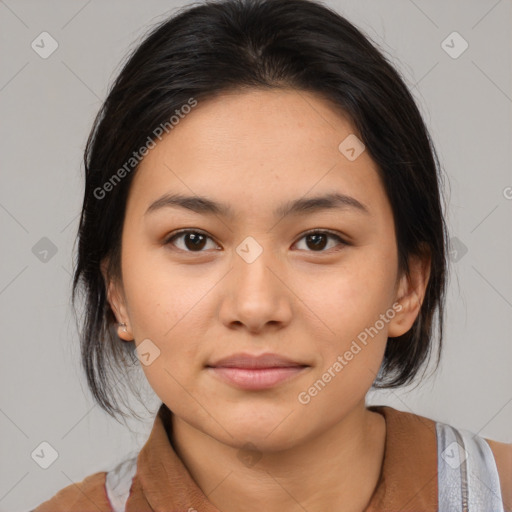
pixel 253 372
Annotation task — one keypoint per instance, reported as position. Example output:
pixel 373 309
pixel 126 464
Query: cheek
pixel 355 304
pixel 352 297
pixel 353 350
pixel 160 295
pixel 168 305
pixel 164 309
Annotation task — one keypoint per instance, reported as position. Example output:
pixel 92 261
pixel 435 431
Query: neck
pixel 337 470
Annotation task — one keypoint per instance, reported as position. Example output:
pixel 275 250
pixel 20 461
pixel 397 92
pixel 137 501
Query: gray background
pixel 47 108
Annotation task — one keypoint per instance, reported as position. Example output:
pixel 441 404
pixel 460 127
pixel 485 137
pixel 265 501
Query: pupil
pixel 197 240
pixel 317 243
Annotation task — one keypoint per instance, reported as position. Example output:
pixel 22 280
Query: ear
pixel 410 294
pixel 117 302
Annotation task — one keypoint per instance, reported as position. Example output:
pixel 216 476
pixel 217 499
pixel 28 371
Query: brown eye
pixel 191 241
pixel 317 241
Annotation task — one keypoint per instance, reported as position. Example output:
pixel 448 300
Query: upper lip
pixel 266 360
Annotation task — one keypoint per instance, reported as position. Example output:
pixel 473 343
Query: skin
pixel 255 150
pixel 503 457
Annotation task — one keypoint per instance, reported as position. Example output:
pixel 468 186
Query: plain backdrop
pixel 47 108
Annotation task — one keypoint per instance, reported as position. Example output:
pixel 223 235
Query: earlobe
pixel 116 302
pixel 118 307
pixel 404 319
pixel 410 295
pixel 123 333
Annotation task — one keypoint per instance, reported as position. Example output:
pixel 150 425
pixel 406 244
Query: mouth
pixel 250 372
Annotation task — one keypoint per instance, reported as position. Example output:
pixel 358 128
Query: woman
pixel 262 221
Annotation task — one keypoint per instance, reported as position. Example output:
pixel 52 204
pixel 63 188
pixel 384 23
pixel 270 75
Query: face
pixel 202 283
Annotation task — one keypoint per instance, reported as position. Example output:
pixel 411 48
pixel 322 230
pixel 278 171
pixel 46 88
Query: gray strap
pixel 118 483
pixel 468 479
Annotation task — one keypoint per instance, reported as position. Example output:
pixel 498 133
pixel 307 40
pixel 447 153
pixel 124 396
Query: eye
pixel 193 241
pixel 318 239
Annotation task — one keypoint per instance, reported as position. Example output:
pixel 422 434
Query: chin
pixel 269 429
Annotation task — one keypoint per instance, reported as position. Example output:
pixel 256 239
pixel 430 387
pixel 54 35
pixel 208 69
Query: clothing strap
pixel 468 479
pixel 118 483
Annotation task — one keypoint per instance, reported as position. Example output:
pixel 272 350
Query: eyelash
pixel 331 234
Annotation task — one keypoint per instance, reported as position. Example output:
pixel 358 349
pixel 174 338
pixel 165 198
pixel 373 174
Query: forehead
pixel 258 149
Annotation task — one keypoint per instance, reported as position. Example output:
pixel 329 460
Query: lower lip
pixel 253 379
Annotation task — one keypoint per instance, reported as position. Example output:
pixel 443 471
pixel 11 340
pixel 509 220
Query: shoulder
pixel 87 495
pixel 443 438
pixel 503 456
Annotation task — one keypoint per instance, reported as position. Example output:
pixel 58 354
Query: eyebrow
pixel 204 205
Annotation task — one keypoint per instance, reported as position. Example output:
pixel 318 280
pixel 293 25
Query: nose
pixel 257 295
